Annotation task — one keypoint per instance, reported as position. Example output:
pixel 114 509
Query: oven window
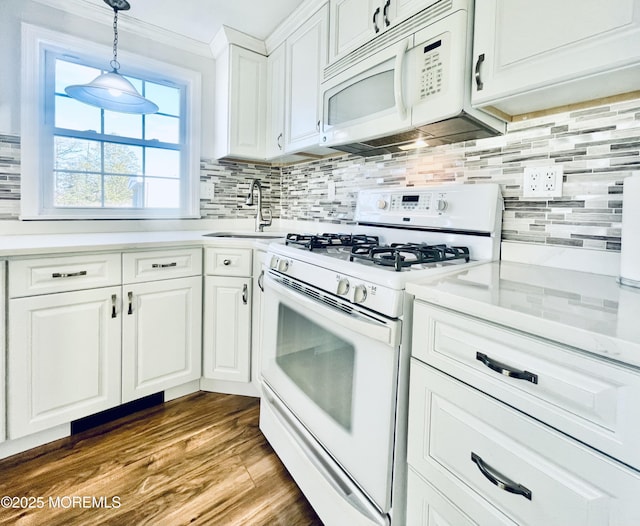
pixel 320 363
pixel 366 97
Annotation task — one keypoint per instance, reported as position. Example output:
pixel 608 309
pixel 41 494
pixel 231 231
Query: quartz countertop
pixel 590 312
pixel 36 244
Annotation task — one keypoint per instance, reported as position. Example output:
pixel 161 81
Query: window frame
pixel 37 136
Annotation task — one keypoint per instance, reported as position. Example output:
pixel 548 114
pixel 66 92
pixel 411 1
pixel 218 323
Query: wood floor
pixel 198 460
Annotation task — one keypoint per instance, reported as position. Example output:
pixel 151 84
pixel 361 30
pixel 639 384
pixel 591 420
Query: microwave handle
pixel 397 79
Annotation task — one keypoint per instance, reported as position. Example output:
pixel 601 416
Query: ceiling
pixel 200 20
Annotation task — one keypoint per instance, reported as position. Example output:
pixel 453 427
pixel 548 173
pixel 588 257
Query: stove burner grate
pixel 403 255
pixel 320 241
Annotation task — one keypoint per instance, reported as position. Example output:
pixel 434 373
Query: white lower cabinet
pixel 506 427
pixel 63 359
pixel 227 328
pixel 77 347
pixel 161 335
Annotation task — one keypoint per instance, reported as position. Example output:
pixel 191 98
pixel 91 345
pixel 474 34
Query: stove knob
pixel 359 294
pixel 441 205
pixel 381 204
pixel 343 287
pixel 274 262
pixel 283 265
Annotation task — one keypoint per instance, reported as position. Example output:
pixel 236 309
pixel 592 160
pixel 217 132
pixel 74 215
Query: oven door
pixel 336 370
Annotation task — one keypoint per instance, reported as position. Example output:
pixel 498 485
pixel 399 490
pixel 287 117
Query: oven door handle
pixel 384 332
pixel 341 484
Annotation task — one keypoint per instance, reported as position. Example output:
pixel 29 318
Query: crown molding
pixel 83 9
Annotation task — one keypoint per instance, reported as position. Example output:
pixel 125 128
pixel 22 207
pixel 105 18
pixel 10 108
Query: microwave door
pixel 368 100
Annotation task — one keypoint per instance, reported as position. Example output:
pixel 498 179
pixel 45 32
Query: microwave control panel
pixel 432 67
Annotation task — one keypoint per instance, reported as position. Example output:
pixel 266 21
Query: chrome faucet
pixel 261 222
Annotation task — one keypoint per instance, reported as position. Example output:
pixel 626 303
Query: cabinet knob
pixel 226 262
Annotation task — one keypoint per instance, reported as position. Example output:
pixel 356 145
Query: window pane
pixel 123 124
pixel 122 159
pixel 162 128
pixel 68 73
pixel 162 193
pixel 75 115
pixel 77 189
pixel 77 155
pixel 122 191
pixel 162 163
pixel 167 99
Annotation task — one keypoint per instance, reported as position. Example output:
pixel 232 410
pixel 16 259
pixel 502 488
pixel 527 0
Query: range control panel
pixel 461 206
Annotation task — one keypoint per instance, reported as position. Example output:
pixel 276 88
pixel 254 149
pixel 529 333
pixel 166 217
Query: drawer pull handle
pixel 245 292
pixel 69 274
pixel 164 265
pixel 113 306
pixel 226 262
pixel 498 479
pixel 130 296
pixel 506 370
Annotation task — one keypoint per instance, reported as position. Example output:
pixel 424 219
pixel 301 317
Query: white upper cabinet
pixel 240 99
pixel 275 102
pixel 531 56
pixel 354 22
pixel 306 56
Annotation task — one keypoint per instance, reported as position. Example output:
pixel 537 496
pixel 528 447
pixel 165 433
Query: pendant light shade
pixel 111 90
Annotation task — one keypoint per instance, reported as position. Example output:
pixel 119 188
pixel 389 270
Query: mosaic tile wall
pixel 597 148
pixel 9 176
pixel 231 182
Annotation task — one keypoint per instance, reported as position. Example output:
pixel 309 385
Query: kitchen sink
pixel 248 235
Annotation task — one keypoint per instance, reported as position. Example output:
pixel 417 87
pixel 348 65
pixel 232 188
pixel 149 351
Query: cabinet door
pixel 306 51
pixel 64 358
pixel 353 23
pixel 276 97
pixel 161 340
pixel 522 46
pixel 227 328
pixel 247 112
pixel 402 9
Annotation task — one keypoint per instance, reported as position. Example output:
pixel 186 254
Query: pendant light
pixel 111 90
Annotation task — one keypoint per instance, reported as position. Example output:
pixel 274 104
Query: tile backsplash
pixel 597 148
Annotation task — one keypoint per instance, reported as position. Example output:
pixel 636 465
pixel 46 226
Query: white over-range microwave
pixel 408 87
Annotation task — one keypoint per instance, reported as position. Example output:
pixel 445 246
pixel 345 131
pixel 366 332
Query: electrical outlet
pixel 542 181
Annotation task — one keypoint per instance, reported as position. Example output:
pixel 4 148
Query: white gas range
pixel 336 340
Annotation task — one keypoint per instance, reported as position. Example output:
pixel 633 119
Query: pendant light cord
pixel 114 63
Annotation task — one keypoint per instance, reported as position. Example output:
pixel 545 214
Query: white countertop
pixel 40 244
pixel 591 312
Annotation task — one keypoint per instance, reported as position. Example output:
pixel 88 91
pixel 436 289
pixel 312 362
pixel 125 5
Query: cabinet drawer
pixel 460 437
pixel 29 277
pixel 426 506
pixel 153 265
pixel 588 398
pixel 228 261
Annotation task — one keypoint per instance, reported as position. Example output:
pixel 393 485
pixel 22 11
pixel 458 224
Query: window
pixel 86 162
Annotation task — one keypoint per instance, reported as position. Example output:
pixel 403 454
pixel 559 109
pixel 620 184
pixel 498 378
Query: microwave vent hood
pixel 449 131
pixel 407 88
